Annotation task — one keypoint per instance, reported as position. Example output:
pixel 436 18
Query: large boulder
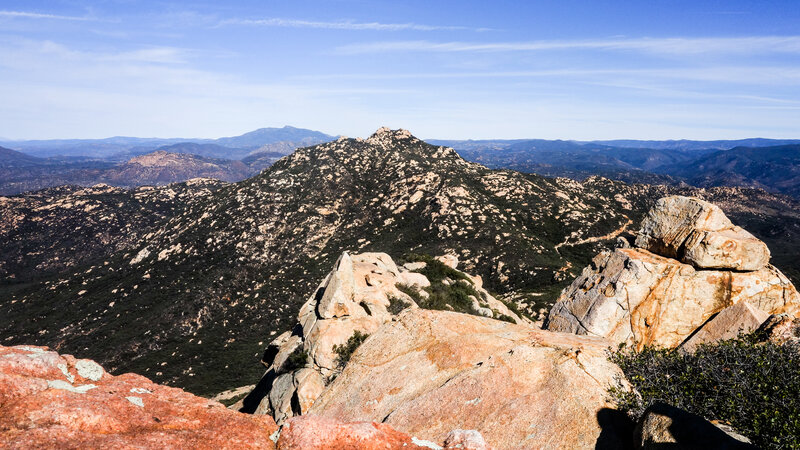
pixel 430 372
pixel 697 232
pixel 661 291
pixel 49 400
pixel 362 292
pixel 635 297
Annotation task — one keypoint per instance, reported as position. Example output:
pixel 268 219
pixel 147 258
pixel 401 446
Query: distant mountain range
pixel 770 164
pixel 33 165
pixel 775 168
pixel 126 147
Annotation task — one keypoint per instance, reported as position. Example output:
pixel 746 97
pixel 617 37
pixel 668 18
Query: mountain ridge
pixel 249 252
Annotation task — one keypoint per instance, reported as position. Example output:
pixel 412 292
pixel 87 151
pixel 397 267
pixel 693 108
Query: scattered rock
pixel 42 407
pixel 430 372
pixel 450 261
pixel 418 265
pixel 662 426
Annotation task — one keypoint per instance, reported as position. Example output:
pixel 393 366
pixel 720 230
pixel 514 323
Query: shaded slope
pixel 773 168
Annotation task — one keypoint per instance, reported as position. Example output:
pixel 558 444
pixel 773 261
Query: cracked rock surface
pixel 430 372
pixel 638 297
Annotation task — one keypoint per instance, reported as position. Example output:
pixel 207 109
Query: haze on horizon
pixel 449 70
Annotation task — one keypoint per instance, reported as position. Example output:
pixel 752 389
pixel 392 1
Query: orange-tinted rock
pixel 729 323
pixel 49 400
pixel 640 298
pixel 431 372
pixel 322 433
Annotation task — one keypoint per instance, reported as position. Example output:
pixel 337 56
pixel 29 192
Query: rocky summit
pixel 689 264
pixel 360 294
pixel 211 271
pixel 378 293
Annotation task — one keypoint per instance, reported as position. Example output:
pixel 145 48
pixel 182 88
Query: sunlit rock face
pixel 661 292
pixel 49 400
pixel 429 372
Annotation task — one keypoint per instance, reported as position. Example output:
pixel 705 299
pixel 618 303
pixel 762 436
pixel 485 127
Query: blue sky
pixel 450 69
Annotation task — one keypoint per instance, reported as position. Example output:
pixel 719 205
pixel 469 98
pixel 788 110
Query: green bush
pixel 435 270
pixel 296 360
pixel 345 351
pixel 397 305
pixel 409 290
pixel 755 387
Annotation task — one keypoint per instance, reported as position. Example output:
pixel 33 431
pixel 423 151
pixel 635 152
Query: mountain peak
pixel 384 134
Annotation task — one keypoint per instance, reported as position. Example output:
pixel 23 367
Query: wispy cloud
pixel 345 25
pixel 775 75
pixel 675 46
pixel 33 15
pixel 26 54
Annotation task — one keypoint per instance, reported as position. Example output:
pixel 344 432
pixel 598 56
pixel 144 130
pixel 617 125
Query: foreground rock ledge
pixel 430 372
pixel 52 401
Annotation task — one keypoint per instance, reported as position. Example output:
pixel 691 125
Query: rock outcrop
pixel 648 296
pixel 360 294
pixel 430 372
pixel 322 433
pixel 49 400
pixel 697 232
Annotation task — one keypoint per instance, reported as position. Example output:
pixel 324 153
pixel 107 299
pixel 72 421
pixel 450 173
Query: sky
pixel 583 70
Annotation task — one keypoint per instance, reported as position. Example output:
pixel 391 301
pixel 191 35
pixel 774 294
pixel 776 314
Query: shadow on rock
pixel 616 430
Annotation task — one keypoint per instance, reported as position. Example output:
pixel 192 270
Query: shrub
pixel 456 295
pixel 409 290
pixel 345 351
pixel 397 305
pixel 296 360
pixel 755 387
pixel 435 270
